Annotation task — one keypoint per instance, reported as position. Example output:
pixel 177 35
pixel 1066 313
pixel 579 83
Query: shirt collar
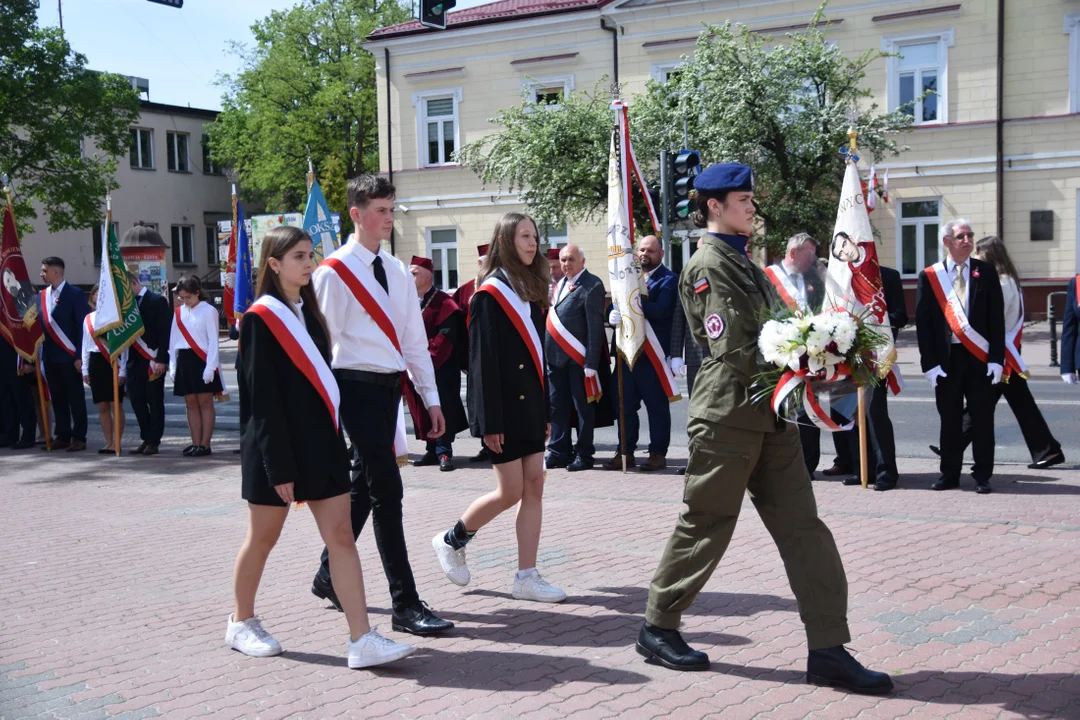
pixel 365 255
pixel 736 242
pixel 431 291
pixel 60 288
pixel 142 292
pixel 571 280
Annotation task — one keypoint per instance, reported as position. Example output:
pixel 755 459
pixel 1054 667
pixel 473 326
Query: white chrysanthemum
pixel 817 340
pixel 844 333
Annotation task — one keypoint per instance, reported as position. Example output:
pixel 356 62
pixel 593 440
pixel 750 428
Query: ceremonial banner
pixel 117 320
pixel 19 315
pixel 319 224
pixel 262 224
pixel 244 280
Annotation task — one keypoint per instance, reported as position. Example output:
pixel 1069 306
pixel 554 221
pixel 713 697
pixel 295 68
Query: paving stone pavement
pixel 115 584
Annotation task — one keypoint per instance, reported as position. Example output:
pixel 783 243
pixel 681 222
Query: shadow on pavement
pixel 632 600
pixel 1005 484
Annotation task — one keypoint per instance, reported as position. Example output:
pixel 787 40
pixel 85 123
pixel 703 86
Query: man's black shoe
pixel 885 484
pixel 666 647
pixel 419 620
pixel 326 592
pixel 834 667
pixel 1055 459
pixel 482 456
pixel 936 450
pixel 580 464
pixel 446 463
pixel 849 481
pixel 555 462
pixel 943 484
pixel 23 445
pixel 139 450
pixel 983 488
pixel 427 460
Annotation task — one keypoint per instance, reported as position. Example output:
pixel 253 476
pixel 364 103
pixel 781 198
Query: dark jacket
pixel 894 300
pixel 659 307
pixel 69 312
pixel 682 341
pixel 581 310
pixel 157 319
pixel 985 312
pixel 442 322
pixel 505 395
pixel 1069 335
pixel 286 432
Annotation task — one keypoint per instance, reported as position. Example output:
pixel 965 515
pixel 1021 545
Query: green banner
pixel 117 320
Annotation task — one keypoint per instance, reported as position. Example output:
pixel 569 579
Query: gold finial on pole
pixel 852 134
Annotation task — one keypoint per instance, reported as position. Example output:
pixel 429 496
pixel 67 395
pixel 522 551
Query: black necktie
pixel 380 273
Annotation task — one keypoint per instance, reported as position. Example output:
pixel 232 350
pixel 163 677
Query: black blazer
pixel 157 318
pixel 894 299
pixel 505 395
pixel 1069 334
pixel 286 432
pixel 69 312
pixel 582 312
pixel 985 311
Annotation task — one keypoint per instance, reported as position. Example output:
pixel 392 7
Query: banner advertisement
pixel 262 224
pixel 149 264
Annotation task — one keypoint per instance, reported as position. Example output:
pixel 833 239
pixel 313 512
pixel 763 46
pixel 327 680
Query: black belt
pixel 383 379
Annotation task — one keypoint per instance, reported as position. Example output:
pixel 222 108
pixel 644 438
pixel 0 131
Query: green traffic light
pixel 682 209
pixel 437 9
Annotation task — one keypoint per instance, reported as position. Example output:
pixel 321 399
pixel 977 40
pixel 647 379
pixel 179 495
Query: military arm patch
pixel 714 326
pixel 701 285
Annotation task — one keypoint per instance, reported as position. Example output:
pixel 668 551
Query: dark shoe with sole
pixel 446 463
pixel 78 446
pixel 139 450
pixel 556 462
pixel 325 591
pixel 667 648
pixel 943 484
pixel 852 481
pixel 936 450
pixel 680 471
pixel 429 459
pixel 615 463
pixel 188 451
pixel 882 485
pixel 835 667
pixel 1055 459
pixel 59 445
pixel 419 620
pixel 835 471
pixel 483 456
pixel 983 488
pixel 150 450
pixel 201 451
pixel 580 464
pixel 23 445
pixel 106 451
pixel 655 462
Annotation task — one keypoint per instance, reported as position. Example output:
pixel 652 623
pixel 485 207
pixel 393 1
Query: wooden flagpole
pixel 622 411
pixel 41 401
pixel 117 408
pixel 864 472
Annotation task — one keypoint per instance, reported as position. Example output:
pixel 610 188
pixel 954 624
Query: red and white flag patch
pixel 701 285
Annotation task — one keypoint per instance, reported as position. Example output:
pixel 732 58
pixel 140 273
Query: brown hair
pixel 192 286
pixel 364 188
pixel 531 282
pixel 91 297
pixel 992 249
pixel 700 214
pixel 276 244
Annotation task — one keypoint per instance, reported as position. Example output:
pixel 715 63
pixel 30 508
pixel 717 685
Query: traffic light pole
pixel 665 204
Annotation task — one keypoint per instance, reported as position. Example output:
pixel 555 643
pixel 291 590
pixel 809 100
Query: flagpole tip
pixel 852 134
pixel 234 189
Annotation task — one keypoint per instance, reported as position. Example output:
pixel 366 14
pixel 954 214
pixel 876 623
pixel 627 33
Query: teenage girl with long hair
pixel 194 363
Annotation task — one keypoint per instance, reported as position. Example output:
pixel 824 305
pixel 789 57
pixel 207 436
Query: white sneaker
pixel 249 638
pixel 451 561
pixel 534 587
pixel 373 649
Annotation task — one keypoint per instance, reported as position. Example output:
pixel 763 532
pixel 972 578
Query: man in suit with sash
pixel 147 363
pixel 574 348
pixel 960 323
pixel 63 310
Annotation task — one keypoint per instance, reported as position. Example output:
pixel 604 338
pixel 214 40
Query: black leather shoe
pixel 943 484
pixel 1055 459
pixel 555 462
pixel 23 445
pixel 139 450
pixel 852 481
pixel 419 620
pixel 446 463
pixel 482 456
pixel 936 450
pixel 666 647
pixel 427 460
pixel 983 488
pixel 680 471
pixel 580 464
pixel 834 667
pixel 326 592
pixel 882 485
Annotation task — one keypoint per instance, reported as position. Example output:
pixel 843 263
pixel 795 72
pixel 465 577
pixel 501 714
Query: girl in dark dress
pixel 508 401
pixel 292 448
pixel 97 374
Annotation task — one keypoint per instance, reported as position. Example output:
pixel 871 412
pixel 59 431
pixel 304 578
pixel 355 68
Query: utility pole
pixel 665 202
pixel 60 9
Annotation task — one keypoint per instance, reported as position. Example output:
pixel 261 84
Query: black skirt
pixel 189 370
pixel 517 449
pixel 257 491
pixel 101 379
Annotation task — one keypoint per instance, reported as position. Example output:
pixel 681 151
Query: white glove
pixel 614 318
pixel 591 374
pixel 677 365
pixel 208 375
pixel 1069 378
pixel 993 371
pixel 933 375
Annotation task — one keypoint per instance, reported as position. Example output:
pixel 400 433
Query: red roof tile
pixel 491 13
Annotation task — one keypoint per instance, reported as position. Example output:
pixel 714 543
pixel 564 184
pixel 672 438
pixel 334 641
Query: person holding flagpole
pixel 292 447
pixel 194 362
pixel 98 376
pixel 146 367
pixel 506 392
pixel 63 308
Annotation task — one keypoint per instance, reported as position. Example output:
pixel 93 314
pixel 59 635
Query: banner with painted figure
pixel 19 314
pixel 117 320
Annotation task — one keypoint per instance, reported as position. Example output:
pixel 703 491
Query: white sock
pixel 522 574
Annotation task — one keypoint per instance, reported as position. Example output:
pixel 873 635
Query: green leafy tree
pixel 307 89
pixel 334 184
pixel 50 105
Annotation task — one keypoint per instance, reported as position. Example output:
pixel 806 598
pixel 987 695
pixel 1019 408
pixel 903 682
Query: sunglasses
pixel 964 236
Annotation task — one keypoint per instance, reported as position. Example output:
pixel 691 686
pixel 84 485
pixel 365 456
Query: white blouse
pixel 202 322
pixel 1011 292
pixel 89 346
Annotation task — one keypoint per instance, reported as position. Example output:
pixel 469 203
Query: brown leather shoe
pixel 836 470
pixel 615 463
pixel 76 446
pixel 654 463
pixel 150 450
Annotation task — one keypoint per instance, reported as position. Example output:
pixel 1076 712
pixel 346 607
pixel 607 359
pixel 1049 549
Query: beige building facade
pixel 166 181
pixel 437 91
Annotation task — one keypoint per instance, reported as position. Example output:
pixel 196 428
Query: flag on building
pixel 19 314
pixel 117 320
pixel 244 290
pixel 318 223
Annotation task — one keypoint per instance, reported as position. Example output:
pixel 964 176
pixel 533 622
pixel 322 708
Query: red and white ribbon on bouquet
pixel 816 403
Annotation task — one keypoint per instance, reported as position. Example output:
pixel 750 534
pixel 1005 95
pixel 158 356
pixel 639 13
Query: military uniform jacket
pixel 724 296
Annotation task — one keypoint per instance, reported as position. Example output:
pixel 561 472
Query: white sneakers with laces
pixel 451 561
pixel 249 638
pixel 373 649
pixel 534 587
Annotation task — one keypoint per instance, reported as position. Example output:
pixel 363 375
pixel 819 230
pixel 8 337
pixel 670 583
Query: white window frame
pixel 193 260
pixel 688 241
pixel 920 260
pixel 1072 29
pixel 559 241
pixel 660 71
pixel 138 148
pixel 433 248
pixel 530 85
pixel 419 102
pixel 945 39
pixel 172 144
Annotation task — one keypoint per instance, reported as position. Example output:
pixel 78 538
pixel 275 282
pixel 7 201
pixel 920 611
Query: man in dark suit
pixel 66 308
pixel 643 384
pixel 962 359
pixel 1070 333
pixel 578 311
pixel 145 376
pixel 17 418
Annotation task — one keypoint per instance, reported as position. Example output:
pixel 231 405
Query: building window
pixel 443 246
pixel 1072 29
pixel 142 148
pixel 919 244
pixel 212 246
pixel 548 92
pixel 178 151
pixel 97 240
pixel 183 245
pixel 662 72
pixel 557 235
pixel 208 166
pixel 917 79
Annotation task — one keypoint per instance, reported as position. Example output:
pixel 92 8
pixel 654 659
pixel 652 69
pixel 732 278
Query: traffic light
pixel 685 165
pixel 433 13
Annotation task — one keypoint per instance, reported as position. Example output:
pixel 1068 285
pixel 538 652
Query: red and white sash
pixel 1013 337
pixel 200 351
pixel 55 331
pixel 520 314
pixel 654 351
pixel 784 286
pixel 375 300
pixel 102 347
pixel 150 354
pixel 573 348
pixel 941 284
pixel 298 345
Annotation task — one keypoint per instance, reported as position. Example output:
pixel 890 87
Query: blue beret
pixel 725 177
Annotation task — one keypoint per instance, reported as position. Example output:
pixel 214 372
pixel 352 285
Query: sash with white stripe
pixel 574 349
pixel 520 314
pixel 654 351
pixel 55 331
pixel 784 286
pixel 150 354
pixel 1013 362
pixel 941 284
pixel 298 345
pixel 200 351
pixel 101 347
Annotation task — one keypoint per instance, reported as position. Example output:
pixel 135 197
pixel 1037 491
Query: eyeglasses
pixel 964 236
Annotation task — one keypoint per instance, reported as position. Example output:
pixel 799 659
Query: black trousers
pixel 880 441
pixel 967 380
pixel 18 422
pixel 147 400
pixel 810 438
pixel 1040 442
pixel 68 401
pixel 566 389
pixel 369 415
